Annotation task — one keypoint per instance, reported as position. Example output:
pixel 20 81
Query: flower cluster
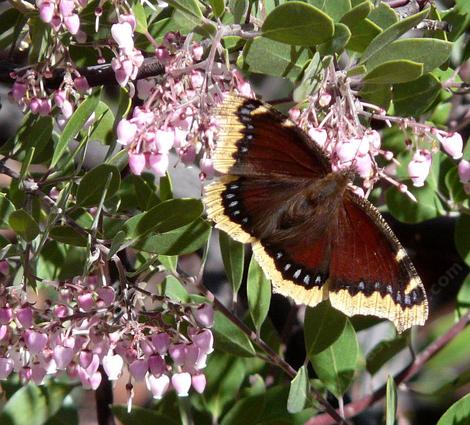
pixel 62 15
pixel 80 326
pixel 128 59
pixel 350 145
pixel 175 112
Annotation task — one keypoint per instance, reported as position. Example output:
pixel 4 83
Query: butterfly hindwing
pixel 370 272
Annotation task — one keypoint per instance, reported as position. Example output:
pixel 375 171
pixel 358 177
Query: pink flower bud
pixel 188 154
pixel 6 367
pixel 204 314
pixel 61 121
pixel 61 311
pixel 89 382
pixel 126 131
pixel 24 315
pixel 464 171
pixel 72 23
pixel 197 51
pixel 45 107
pixel 123 36
pixel 46 11
pixel 199 382
pixel 35 341
pixel 18 91
pixel 197 79
pixel 157 386
pixel 181 383
pixel 138 368
pixel 25 374
pixel 294 114
pixel 107 294
pixel 63 356
pixel 144 88
pixel 179 137
pixel 81 84
pixel 156 365
pixel 67 109
pixel 161 342
pixel 178 353
pixel 34 105
pixel 59 97
pixel 191 356
pixel 204 340
pixel 130 19
pixel 66 7
pixel 38 373
pixel 452 144
pixel 159 163
pixel 373 139
pixel 162 54
pixel 318 135
pixel 137 163
pixel 346 152
pixel 325 99
pixel 164 140
pixel 85 358
pixel 207 167
pixel 363 165
pixel 6 315
pixel 112 365
pixel 56 22
pixel 419 167
pixel 82 37
pixel 85 301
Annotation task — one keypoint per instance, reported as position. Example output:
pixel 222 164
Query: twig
pixel 354 408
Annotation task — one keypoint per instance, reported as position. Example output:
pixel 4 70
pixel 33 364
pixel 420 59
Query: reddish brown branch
pixel 353 409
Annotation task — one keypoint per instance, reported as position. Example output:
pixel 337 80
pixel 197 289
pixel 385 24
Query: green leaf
pixel 229 337
pixel 190 8
pixel 33 405
pixel 184 240
pixel 141 416
pixel 75 124
pixel 337 43
pixel 384 351
pixel 225 373
pixel 60 262
pixel 394 71
pixel 270 57
pixel 93 183
pixel 233 257
pixel 23 224
pixel 391 400
pixel 6 208
pixel 144 191
pixel 454 186
pixel 164 217
pixel 383 15
pixel 166 188
pixel 67 235
pixel 430 52
pixel 258 294
pixel 172 288
pixel 66 415
pixel 323 326
pixel 336 362
pixel 407 211
pixel 414 98
pixel 298 393
pixel 311 80
pixel 103 127
pixel 37 136
pixel 362 34
pixel 391 34
pixel 357 13
pixel 333 8
pixel 458 413
pixel 462 241
pixel 463 6
pixel 141 18
pixel 463 298
pixel 238 8
pixel 39 33
pixel 218 7
pixel 299 24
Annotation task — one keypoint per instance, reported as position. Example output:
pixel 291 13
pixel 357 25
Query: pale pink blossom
pixel 123 35
pixel 35 341
pixel 137 163
pixel 112 365
pixel 126 132
pixel 138 368
pixel 158 386
pixel 158 163
pixel 464 171
pixel 181 383
pixel 66 7
pixel 72 23
pixel 198 382
pixel 318 135
pixel 419 167
pixel 46 11
pixel 204 314
pixel 452 144
pixel 6 367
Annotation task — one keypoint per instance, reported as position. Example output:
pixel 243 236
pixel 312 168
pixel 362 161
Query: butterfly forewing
pixel 311 235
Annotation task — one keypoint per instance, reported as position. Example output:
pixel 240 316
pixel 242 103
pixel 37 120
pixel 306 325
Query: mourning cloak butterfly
pixel 313 237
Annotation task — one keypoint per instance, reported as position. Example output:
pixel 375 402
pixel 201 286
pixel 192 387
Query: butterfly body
pixel 313 237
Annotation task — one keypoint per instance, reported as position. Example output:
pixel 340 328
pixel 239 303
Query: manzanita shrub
pixel 103 284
